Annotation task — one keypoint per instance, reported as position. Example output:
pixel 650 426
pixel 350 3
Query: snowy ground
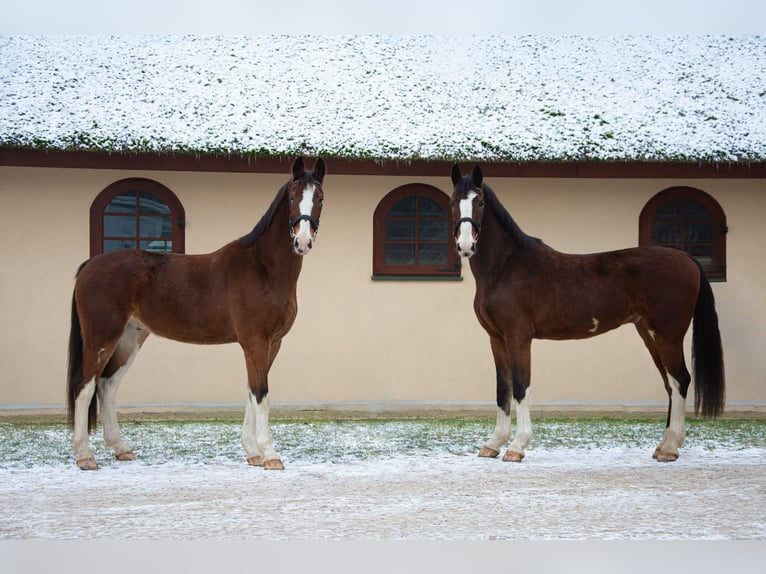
pixel 388 480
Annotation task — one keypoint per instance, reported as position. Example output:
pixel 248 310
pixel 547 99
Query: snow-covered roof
pixel 418 97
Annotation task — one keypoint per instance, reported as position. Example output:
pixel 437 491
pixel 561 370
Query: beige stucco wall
pixel 355 339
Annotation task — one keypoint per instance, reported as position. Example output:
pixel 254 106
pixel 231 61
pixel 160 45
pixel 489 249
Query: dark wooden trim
pixel 343 166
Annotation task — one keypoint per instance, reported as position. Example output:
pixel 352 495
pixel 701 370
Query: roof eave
pixel 236 163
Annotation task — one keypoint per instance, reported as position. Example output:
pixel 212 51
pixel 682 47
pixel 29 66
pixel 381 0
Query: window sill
pixel 416 277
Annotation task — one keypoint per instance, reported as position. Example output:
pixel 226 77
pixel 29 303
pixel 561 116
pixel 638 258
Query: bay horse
pixel 526 290
pixel 244 292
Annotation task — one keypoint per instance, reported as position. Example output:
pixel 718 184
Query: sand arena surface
pixel 386 481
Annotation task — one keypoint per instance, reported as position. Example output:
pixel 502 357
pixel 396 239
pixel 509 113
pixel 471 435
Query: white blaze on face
pixel 464 238
pixel 303 239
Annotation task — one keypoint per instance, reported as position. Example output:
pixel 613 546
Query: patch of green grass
pixel 211 441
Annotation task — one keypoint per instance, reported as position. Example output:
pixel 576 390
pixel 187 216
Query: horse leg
pixel 679 380
pixel 98 344
pixel 520 354
pixel 669 359
pixel 132 338
pixel 256 434
pixel 249 442
pixel 503 422
pixel 80 443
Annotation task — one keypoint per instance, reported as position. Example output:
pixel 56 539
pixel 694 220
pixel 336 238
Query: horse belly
pixel 189 327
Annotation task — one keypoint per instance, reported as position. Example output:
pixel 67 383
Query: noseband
pixel 311 220
pixel 472 221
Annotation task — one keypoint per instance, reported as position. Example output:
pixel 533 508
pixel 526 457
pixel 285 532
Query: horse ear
pixel 298 169
pixel 477 176
pixel 319 169
pixel 456 175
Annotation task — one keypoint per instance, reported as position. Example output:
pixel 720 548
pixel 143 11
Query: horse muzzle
pixel 465 240
pixel 304 239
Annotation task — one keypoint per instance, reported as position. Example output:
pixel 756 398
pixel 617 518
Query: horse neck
pixel 274 248
pixel 495 246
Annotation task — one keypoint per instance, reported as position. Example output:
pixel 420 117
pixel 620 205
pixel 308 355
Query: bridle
pixel 304 217
pixel 476 226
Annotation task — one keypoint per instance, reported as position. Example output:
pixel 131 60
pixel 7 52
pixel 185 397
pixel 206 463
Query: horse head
pixel 305 197
pixel 467 204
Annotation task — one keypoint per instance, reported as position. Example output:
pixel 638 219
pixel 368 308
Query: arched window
pixel 412 234
pixel 688 219
pixel 136 213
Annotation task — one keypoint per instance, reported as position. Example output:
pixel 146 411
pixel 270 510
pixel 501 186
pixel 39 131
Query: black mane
pixel 523 240
pixel 265 222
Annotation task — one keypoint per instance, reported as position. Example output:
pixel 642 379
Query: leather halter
pixel 476 226
pixel 304 217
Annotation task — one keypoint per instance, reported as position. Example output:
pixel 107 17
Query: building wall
pixel 356 339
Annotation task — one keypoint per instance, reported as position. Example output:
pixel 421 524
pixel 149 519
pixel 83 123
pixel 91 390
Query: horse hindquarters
pixel 101 346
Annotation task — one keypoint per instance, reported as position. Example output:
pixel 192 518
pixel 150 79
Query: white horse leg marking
pixel 502 431
pixel 523 427
pixel 107 389
pixel 464 240
pixel 303 239
pixel 675 434
pixel 262 431
pixel 80 438
pixel 249 442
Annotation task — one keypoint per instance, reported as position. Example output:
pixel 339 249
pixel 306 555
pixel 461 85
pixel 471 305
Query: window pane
pixel 433 231
pixel 403 208
pixel 432 254
pixel 150 203
pixel 156 227
pixel 698 233
pixel 123 203
pixel 703 254
pixel 429 208
pixel 400 230
pixel 695 210
pixel 665 231
pixel 117 244
pixel 119 226
pixel 670 209
pixel 400 254
pixel 157 245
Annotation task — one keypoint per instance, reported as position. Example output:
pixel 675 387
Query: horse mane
pixel 523 240
pixel 265 221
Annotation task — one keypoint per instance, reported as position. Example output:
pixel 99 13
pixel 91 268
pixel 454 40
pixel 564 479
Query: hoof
pixel 660 456
pixel 513 456
pixel 255 461
pixel 487 452
pixel 273 464
pixel 126 456
pixel 87 463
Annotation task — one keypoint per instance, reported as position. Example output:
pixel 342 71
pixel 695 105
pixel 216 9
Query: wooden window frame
pixel 381 270
pixel 178 214
pixel 717 269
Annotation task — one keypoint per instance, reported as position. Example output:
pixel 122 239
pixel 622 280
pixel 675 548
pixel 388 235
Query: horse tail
pixel 707 354
pixel 74 375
